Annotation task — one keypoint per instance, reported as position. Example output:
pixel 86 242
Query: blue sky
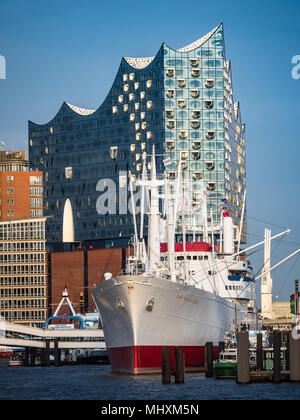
pixel 70 50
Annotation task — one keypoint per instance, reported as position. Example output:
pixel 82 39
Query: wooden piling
pixel 259 353
pixel 277 356
pixel 287 353
pixel 27 356
pixel 57 359
pixel 294 356
pixel 243 375
pixel 166 365
pixel 209 360
pixel 179 365
pixel 45 354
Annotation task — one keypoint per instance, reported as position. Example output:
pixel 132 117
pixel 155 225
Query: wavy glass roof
pixel 141 63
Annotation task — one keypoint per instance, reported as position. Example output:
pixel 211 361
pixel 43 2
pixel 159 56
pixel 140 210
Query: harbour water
pixel 96 382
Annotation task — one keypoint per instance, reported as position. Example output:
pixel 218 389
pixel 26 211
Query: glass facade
pixel 180 101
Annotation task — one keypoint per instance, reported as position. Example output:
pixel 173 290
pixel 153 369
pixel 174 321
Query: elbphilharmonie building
pixel 182 102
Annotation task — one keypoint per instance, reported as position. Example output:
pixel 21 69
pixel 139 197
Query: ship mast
pixel 154 217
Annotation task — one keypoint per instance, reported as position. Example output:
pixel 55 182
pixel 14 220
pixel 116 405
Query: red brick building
pixel 21 191
pixel 80 271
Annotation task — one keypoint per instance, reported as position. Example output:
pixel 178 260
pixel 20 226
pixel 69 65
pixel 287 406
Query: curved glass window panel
pixel 170 144
pixel 138 136
pixel 131 77
pixel 126 87
pixel 149 104
pixel 195 93
pixel 137 106
pixel 170 93
pixel 131 97
pixel 196 114
pixel 210 135
pixel 142 95
pixel 195 73
pixel 208 104
pixel 181 83
pixel 184 155
pixel 144 125
pixel 143 115
pixel 139 167
pixel 115 109
pixel 136 85
pixel 209 83
pixel 184 166
pixel 132 117
pixel 195 124
pixel 170 72
pixel 171 124
pixel 196 155
pixel 121 98
pixel 149 135
pixel 181 103
pixel 209 165
pixel 114 152
pixel 137 157
pixel 143 146
pixel 137 126
pixel 125 107
pixel 197 175
pixel 211 186
pixel 183 135
pixel 149 84
pixel 194 62
pixel 197 145
pixel 169 113
pixel 125 77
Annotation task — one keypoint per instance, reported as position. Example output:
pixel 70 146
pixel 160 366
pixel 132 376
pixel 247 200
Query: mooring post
pixel 56 353
pixel 294 356
pixel 277 356
pixel 45 354
pixel 166 365
pixel 32 354
pixel 243 374
pixel 221 347
pixel 259 353
pixel 27 356
pixel 179 365
pixel 287 352
pixel 209 360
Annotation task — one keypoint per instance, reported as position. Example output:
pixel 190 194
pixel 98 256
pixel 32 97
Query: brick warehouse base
pixel 80 271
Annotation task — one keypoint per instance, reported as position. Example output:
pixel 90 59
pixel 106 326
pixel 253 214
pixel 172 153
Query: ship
pixel 174 294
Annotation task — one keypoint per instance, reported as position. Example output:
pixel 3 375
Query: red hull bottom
pixel 147 359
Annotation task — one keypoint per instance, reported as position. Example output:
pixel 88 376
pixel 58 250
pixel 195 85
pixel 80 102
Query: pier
pixel 17 335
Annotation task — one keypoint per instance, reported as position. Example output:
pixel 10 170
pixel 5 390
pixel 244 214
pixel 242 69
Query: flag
pixel 167 161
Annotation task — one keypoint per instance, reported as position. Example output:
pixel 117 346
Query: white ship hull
pixel 142 314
